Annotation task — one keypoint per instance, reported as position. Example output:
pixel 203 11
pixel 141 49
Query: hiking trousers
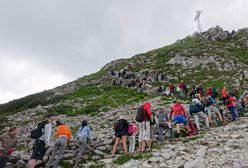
pixel 162 127
pixel 82 146
pixel 234 112
pixel 131 143
pixel 202 115
pixel 59 147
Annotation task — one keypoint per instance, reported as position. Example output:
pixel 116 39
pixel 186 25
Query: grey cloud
pixel 74 38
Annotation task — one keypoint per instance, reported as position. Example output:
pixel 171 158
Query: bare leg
pixel 32 163
pixel 178 128
pixel 117 140
pixel 124 142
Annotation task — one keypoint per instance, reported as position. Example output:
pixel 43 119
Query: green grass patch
pixel 125 158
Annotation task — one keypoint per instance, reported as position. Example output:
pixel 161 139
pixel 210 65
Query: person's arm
pixel 78 132
pixel 70 134
pixel 48 133
pixel 171 113
pixel 89 133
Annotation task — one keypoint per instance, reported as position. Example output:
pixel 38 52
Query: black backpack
pixel 140 115
pixel 37 132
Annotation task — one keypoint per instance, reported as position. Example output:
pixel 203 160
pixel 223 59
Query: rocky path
pixel 225 146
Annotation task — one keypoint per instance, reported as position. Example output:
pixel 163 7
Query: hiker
pixel 83 139
pixel 193 91
pixel 196 108
pixel 179 115
pixel 8 145
pixel 121 131
pixel 231 107
pixel 144 126
pixel 152 128
pixel 171 89
pixel 183 89
pixel 211 107
pixel 163 124
pixel 214 92
pixel 245 101
pixel 209 92
pixel 223 94
pixel 132 131
pixel 63 134
pixel 200 90
pixel 42 142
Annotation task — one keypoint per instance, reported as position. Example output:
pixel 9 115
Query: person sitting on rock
pixel 163 124
pixel 83 139
pixel 179 115
pixel 8 145
pixel 64 135
pixel 121 132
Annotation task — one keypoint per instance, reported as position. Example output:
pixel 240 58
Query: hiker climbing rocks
pixel 8 145
pixel 43 136
pixel 231 107
pixel 196 108
pixel 121 131
pixel 211 107
pixel 83 140
pixel 163 124
pixel 223 94
pixel 63 134
pixel 179 115
pixel 143 116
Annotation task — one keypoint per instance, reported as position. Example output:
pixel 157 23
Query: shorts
pixel 39 150
pixel 144 131
pixel 120 134
pixel 180 119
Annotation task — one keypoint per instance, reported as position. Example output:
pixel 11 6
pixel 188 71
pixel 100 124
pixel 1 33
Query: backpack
pixel 37 132
pixel 193 129
pixel 209 101
pixel 140 115
pixel 162 117
pixel 130 130
pixel 152 120
pixel 195 108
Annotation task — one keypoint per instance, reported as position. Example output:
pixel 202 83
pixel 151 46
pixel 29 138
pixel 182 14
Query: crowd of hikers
pixel 147 124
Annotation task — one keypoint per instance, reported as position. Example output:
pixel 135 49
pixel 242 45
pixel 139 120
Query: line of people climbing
pixel 146 125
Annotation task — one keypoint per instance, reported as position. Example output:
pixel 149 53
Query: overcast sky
pixel 47 43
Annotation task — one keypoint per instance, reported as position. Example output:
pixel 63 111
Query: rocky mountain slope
pixel 214 57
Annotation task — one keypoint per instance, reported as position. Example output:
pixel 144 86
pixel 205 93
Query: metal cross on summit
pixel 197 19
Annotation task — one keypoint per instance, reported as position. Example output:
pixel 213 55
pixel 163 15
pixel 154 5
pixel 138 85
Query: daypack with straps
pixel 130 130
pixel 38 132
pixel 209 101
pixel 195 108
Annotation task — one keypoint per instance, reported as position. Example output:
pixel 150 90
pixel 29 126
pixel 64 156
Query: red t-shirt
pixel 178 109
pixel 231 99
